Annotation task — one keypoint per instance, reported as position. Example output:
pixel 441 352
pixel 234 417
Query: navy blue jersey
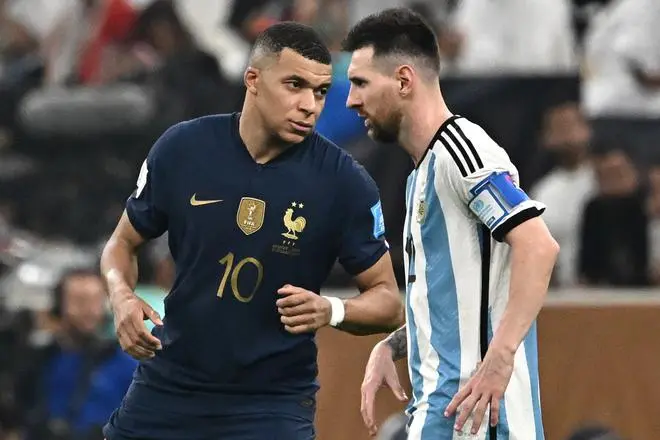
pixel 238 231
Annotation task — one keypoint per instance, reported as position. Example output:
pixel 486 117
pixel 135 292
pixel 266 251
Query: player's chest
pixel 420 196
pixel 428 211
pixel 268 208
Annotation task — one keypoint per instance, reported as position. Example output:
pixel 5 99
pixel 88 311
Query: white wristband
pixel 338 310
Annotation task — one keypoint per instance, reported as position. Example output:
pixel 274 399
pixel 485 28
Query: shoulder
pixel 338 162
pixel 183 135
pixel 466 146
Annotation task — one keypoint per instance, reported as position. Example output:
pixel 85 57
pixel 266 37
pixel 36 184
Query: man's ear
pixel 250 79
pixel 405 75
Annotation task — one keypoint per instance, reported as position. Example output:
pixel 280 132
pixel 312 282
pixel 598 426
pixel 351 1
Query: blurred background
pixel 571 89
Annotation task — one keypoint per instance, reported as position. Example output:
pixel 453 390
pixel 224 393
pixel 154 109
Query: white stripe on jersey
pixel 463 246
pixel 418 301
pixel 460 144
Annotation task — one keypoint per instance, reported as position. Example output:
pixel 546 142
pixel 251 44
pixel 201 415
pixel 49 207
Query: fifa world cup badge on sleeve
pixel 379 219
pixel 494 198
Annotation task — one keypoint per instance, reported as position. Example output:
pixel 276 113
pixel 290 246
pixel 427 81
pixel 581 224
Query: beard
pixel 386 131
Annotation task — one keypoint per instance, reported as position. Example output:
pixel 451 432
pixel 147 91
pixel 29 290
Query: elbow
pixel 112 246
pixel 544 253
pixel 397 319
pixel 107 251
pixel 117 251
pixel 551 249
pixel 396 315
pixel 545 250
pixel 541 251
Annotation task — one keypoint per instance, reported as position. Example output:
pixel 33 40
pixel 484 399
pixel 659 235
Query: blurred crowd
pixel 86 86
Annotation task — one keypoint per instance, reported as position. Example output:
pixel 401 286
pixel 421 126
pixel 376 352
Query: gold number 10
pixel 228 261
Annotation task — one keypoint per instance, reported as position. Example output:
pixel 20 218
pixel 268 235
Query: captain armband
pixel 495 198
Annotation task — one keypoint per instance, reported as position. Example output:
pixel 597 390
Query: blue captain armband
pixel 495 198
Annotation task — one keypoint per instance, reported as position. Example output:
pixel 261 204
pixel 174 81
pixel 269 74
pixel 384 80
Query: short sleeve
pixel 483 179
pixel 146 206
pixel 363 230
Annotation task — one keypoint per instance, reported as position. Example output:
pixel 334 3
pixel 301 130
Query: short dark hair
pixel 395 31
pixel 300 38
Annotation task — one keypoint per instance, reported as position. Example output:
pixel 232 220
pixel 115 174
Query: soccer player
pixel 258 207
pixel 478 257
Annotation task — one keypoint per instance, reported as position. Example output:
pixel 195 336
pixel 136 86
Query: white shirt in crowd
pixel 621 35
pixel 514 36
pixel 566 194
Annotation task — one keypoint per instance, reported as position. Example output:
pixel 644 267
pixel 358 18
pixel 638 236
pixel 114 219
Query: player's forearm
pixel 119 267
pixel 398 342
pixel 531 269
pixel 377 310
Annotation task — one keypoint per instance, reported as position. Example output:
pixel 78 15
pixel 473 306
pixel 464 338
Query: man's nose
pixel 352 100
pixel 307 101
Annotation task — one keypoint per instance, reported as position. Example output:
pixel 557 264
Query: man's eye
pixel 322 92
pixel 294 84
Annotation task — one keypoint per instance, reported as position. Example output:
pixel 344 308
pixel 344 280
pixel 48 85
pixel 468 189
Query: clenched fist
pixel 302 311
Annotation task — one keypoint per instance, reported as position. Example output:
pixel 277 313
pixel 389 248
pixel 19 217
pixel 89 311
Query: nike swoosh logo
pixel 195 202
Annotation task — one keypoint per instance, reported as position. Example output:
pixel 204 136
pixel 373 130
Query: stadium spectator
pixel 514 37
pixel 211 26
pixel 614 233
pixel 653 211
pixel 622 60
pixel 70 385
pixel 568 187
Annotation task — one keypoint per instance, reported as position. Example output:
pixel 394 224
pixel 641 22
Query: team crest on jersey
pixel 250 215
pixel 294 225
pixel 421 211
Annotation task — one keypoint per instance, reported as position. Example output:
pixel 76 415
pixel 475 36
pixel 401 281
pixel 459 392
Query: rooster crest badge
pixel 294 226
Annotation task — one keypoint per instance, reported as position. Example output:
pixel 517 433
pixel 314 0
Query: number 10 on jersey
pixel 232 273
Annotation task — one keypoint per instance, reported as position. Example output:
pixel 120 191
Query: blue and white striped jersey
pixel 462 199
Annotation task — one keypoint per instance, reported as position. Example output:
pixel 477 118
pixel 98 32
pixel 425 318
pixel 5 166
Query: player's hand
pixel 380 372
pixel 130 312
pixel 302 311
pixel 485 387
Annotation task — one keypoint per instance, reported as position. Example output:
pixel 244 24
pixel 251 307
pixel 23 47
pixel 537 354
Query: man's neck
pixel 572 161
pixel 261 145
pixel 421 123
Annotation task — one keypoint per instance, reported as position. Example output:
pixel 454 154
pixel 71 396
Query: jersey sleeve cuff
pixel 140 226
pixel 517 219
pixel 356 269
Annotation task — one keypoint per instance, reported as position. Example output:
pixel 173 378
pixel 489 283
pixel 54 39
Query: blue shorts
pixel 147 414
